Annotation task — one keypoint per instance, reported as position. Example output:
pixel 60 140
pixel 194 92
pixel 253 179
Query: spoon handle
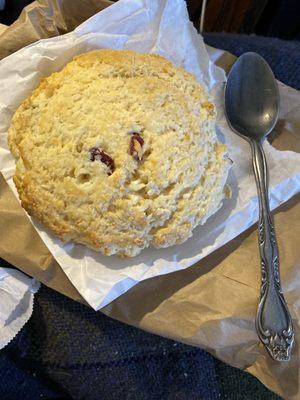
pixel 273 321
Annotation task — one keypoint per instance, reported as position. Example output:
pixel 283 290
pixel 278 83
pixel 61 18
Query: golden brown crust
pixel 157 190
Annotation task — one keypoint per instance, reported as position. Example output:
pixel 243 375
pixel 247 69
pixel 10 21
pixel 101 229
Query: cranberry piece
pixel 136 146
pixel 99 155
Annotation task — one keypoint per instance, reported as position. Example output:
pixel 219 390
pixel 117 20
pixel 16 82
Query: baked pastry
pixel 119 151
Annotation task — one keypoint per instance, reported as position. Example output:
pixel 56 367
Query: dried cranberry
pixel 136 146
pixel 99 155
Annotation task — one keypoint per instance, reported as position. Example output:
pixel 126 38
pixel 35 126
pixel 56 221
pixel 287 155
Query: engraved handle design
pixel 273 321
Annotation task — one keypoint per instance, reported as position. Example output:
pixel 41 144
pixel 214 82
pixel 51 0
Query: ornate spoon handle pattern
pixel 273 321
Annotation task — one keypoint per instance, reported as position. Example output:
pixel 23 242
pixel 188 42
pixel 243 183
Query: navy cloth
pixel 68 351
pixel 282 55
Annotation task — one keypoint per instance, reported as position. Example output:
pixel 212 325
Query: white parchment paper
pixel 16 299
pixel 158 26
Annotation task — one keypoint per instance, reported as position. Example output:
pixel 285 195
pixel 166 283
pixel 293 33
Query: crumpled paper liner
pixel 212 304
pixel 16 299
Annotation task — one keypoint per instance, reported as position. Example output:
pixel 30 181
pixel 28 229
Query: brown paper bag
pixel 212 304
pixel 43 19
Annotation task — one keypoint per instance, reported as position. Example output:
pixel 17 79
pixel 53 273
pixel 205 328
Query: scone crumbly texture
pixel 119 151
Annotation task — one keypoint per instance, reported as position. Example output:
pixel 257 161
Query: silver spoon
pixel 252 106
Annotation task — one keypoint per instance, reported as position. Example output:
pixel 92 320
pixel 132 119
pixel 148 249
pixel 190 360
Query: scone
pixel 119 151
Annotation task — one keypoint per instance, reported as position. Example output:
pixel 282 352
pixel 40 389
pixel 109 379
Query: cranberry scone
pixel 118 151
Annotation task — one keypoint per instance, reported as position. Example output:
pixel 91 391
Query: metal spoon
pixel 252 105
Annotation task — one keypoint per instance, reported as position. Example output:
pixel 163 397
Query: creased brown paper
pixel 43 19
pixel 212 304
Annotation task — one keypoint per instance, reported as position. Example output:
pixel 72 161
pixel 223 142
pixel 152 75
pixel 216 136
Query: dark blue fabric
pixel 282 55
pixel 93 356
pixel 20 380
pixel 67 350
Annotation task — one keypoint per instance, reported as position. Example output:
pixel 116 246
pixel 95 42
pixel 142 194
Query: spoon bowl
pixel 252 97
